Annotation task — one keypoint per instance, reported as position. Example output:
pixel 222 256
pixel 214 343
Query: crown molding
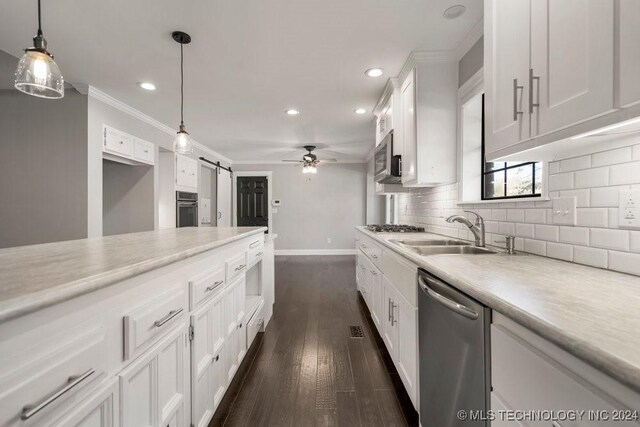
pixel 119 105
pixel 418 56
pixel 470 39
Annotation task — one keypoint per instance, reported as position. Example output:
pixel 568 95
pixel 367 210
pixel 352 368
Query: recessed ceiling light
pixel 360 111
pixel 454 11
pixel 292 112
pixel 374 72
pixel 147 86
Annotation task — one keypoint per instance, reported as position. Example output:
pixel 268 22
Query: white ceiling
pixel 248 62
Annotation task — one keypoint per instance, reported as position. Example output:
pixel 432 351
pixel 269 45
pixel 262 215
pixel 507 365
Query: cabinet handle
pixel 389 309
pixel 254 244
pixel 215 359
pixel 240 326
pixel 531 79
pixel 165 319
pixel 393 313
pixel 363 246
pixel 240 267
pixel 259 254
pixel 374 256
pixel 375 273
pixel 215 285
pixel 516 88
pixel 30 410
pixel 121 142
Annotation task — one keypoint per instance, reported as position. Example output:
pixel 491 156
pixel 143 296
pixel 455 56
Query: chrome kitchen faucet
pixel 477 229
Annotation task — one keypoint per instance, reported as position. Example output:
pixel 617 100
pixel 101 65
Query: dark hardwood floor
pixel 305 370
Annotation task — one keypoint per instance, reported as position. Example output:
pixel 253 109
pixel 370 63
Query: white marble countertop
pixel 592 313
pixel 37 276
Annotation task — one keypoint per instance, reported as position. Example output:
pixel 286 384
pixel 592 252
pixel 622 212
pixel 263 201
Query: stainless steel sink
pixel 434 242
pixel 459 250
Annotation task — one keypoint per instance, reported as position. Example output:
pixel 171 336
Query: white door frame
pixel 236 174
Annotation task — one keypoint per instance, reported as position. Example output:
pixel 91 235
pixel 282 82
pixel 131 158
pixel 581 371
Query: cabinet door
pixel 99 410
pixel 218 374
pixel 407 359
pixel 241 335
pixel 181 171
pixel 571 62
pixel 629 63
pixel 409 147
pixel 389 328
pixel 506 71
pixel 230 320
pixel 153 386
pixel 117 142
pixel 376 296
pixel 202 349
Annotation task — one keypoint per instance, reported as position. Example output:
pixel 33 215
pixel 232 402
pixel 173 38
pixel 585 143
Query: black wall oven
pixel 186 209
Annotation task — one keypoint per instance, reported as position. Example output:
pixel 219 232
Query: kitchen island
pixel 137 329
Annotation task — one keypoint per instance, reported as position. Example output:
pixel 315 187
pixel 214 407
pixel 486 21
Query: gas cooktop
pixel 394 228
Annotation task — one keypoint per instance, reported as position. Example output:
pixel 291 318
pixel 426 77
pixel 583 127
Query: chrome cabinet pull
pixel 215 285
pixel 240 267
pixel 389 309
pixel 516 88
pixel 374 256
pixel 215 359
pixel 165 319
pixel 531 79
pixel 254 244
pixel 363 246
pixel 393 313
pixel 30 410
pixel 374 272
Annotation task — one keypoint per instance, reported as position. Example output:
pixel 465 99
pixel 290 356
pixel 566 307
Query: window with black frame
pixel 509 180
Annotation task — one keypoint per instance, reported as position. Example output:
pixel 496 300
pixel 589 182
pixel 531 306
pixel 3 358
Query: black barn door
pixel 253 201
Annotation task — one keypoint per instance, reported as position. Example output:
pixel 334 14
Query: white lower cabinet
pixel 389 328
pixel 100 409
pixel 153 386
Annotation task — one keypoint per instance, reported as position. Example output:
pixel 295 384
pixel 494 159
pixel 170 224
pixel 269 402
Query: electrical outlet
pixel 564 211
pixel 629 209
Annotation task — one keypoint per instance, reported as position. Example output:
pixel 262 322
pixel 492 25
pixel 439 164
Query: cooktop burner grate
pixel 394 228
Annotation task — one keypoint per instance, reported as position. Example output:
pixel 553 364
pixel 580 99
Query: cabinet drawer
pixel 101 409
pixel 206 285
pixel 143 151
pixel 151 320
pixel 403 275
pixel 526 379
pixel 255 324
pixel 254 255
pixel 117 142
pixel 236 266
pixel 46 385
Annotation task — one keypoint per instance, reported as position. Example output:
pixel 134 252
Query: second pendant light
pixel 182 144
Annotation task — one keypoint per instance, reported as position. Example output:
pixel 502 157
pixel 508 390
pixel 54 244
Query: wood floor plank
pixel 348 414
pixel 390 408
pixel 365 394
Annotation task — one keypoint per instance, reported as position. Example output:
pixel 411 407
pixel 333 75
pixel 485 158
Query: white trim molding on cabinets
pixel 555 70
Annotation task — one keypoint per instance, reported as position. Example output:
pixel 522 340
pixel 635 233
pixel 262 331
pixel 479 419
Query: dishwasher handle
pixel 450 304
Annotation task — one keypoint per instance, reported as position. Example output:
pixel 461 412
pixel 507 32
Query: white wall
pixel 596 240
pixel 314 208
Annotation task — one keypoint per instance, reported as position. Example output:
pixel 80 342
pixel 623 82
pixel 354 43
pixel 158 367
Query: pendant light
pixel 37 73
pixel 182 144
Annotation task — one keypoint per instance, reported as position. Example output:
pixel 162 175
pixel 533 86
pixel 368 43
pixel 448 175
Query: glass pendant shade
pixel 38 75
pixel 182 144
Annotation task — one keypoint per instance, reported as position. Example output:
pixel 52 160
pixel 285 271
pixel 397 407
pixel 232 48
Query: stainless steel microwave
pixel 388 168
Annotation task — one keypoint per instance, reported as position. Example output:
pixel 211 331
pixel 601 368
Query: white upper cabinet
pixel 571 62
pixel 629 64
pixel 186 172
pixel 506 70
pixel 121 147
pixel 428 111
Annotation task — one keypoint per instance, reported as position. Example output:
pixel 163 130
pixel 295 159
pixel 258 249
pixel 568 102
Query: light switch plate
pixel 564 211
pixel 629 209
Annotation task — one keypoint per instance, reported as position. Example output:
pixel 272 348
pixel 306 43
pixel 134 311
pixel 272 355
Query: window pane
pixel 538 172
pixel 520 181
pixel 490 166
pixel 494 185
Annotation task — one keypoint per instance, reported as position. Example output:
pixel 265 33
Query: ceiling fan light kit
pixel 182 143
pixel 37 73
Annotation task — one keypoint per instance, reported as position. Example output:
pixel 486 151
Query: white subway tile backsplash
pixel 592 217
pixel 625 262
pixel 598 177
pixel 610 239
pixel 547 232
pixel 535 216
pixel 611 157
pixel 594 180
pixel 560 251
pixel 525 230
pixel 575 235
pixel 627 173
pixel 590 256
pixel 575 163
pixel 561 181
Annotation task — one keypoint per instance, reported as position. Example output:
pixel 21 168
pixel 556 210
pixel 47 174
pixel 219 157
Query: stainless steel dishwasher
pixel 454 355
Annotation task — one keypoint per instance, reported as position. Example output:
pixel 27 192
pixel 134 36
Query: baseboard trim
pixel 294 252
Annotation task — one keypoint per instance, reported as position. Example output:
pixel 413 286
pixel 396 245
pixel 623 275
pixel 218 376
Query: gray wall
pixel 43 168
pixel 127 198
pixel 471 62
pixel 313 208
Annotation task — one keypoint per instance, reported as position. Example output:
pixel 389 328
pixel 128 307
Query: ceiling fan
pixel 310 161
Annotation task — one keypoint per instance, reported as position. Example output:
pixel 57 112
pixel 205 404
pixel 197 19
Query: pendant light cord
pixel 181 84
pixel 39 20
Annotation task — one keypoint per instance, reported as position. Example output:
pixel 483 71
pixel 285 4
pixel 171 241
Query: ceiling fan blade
pixel 291 161
pixel 328 160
